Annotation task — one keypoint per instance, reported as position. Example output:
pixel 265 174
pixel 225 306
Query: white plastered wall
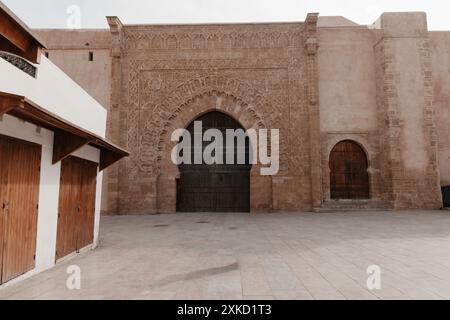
pixel 53 90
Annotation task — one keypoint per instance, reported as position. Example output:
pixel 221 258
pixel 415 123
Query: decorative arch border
pixel 252 101
pixel 359 144
pixel 208 110
pixel 168 172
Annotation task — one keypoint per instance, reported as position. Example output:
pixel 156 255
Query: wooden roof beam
pixel 7 103
pixel 68 137
pixel 108 158
pixel 66 143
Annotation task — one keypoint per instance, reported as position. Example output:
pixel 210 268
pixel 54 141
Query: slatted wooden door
pixel 20 166
pixel 68 206
pixel 3 150
pixel 76 205
pixel 86 220
pixel 348 171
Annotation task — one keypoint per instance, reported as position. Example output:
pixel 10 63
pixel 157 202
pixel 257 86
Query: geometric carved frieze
pixel 212 37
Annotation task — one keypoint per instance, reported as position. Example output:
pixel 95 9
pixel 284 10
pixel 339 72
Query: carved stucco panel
pixel 163 93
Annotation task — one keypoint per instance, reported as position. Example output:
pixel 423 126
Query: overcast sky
pixel 53 13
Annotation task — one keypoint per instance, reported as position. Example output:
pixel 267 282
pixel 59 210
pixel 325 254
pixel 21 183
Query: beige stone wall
pixel 385 87
pixel 347 80
pixel 376 88
pixel 347 94
pixel 407 126
pixel 440 48
pixel 69 50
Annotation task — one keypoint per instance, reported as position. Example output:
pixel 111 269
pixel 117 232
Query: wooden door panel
pixel 232 191
pixel 217 187
pixel 2 202
pixel 76 205
pixel 348 172
pixel 68 207
pixel 21 191
pixel 63 236
pixel 86 219
pixel 210 191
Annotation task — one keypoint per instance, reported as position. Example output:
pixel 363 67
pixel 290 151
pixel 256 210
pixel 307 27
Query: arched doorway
pixel 349 178
pixel 215 187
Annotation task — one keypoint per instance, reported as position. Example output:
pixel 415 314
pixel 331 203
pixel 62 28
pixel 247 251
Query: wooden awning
pixel 67 136
pixel 17 38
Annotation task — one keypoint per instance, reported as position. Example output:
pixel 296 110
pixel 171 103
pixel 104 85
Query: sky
pixel 59 13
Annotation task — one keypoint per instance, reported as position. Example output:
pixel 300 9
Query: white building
pixel 52 153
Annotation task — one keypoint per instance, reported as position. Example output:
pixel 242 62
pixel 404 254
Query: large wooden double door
pixel 210 188
pixel 215 187
pixel 19 195
pixel 76 208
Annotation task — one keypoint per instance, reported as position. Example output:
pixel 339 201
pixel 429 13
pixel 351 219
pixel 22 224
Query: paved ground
pixel 273 256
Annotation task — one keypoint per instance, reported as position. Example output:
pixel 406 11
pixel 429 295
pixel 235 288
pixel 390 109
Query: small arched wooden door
pixel 348 171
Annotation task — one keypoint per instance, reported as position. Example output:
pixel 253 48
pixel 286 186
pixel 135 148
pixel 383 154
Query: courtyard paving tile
pixel 257 256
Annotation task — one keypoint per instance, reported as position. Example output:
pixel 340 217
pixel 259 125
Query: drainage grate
pixel 202 221
pixel 160 225
pixel 232 228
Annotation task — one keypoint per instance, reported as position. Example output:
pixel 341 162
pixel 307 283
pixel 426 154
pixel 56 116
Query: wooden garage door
pixel 76 208
pixel 348 171
pixel 215 187
pixel 19 191
pixel 86 225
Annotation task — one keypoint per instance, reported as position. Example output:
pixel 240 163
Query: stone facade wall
pixel 440 49
pixel 262 75
pixel 348 109
pixel 408 137
pixel 384 87
pixel 69 50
